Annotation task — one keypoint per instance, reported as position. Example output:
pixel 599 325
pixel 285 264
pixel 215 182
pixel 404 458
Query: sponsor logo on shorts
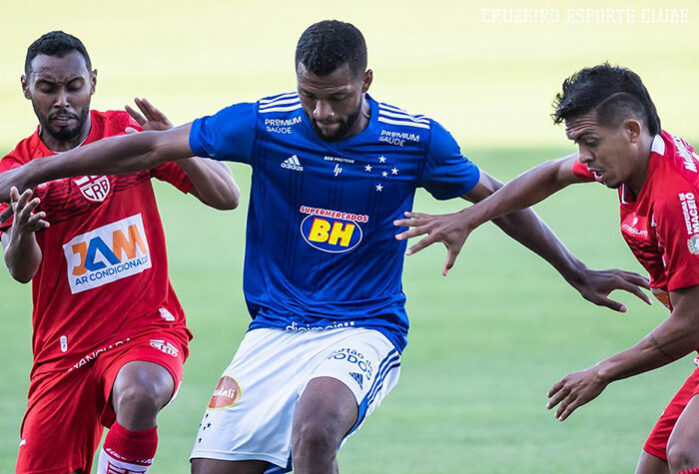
pixel 359 378
pixel 226 394
pixel 95 354
pixel 354 357
pixel 23 443
pixel 64 343
pixel 689 210
pixel 94 188
pixel 164 347
pixel 331 231
pixel 107 254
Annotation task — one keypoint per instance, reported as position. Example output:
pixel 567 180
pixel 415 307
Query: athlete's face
pixel 334 103
pixel 610 153
pixel 60 90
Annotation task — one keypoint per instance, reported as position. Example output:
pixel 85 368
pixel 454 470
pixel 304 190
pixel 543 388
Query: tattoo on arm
pixel 660 348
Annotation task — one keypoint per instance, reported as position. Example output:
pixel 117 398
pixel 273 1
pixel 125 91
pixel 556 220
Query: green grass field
pixel 486 342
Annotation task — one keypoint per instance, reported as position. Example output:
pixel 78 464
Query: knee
pixel 316 436
pixel 681 456
pixel 141 399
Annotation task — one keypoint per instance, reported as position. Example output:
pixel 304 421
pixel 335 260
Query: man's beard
pixel 64 134
pixel 342 131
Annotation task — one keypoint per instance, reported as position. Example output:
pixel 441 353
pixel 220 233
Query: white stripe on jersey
pixel 281 109
pixel 402 122
pixel 392 108
pixel 292 100
pixel 277 97
pixel 403 116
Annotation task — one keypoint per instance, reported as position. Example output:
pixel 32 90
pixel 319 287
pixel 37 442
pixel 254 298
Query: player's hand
pixel 26 221
pixel 575 390
pixel 150 118
pixel 450 229
pixel 595 286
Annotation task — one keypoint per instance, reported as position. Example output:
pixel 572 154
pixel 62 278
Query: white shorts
pixel 250 414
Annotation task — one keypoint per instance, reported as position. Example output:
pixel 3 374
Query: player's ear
pixel 25 86
pixel 93 81
pixel 633 129
pixel 366 82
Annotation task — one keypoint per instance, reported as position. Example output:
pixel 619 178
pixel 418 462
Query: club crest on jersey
pixel 226 394
pixel 94 188
pixel 693 244
pixel 109 253
pixel 332 231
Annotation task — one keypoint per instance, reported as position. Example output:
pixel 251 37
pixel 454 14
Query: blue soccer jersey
pixel 320 250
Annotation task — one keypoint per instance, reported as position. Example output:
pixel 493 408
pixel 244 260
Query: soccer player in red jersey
pixel 109 335
pixel 609 114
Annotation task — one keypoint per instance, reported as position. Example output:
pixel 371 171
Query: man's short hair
pixel 614 93
pixel 329 44
pixel 58 44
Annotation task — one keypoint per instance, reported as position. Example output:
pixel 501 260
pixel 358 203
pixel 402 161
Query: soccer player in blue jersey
pixel 332 169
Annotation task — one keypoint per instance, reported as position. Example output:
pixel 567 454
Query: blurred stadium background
pixel 486 342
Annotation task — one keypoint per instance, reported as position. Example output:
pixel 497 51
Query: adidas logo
pixel 292 163
pixel 358 378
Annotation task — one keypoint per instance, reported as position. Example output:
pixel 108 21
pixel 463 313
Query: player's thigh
pixel 215 466
pixel 67 403
pixel 367 364
pixel 649 464
pixel 657 443
pixel 683 444
pixel 327 408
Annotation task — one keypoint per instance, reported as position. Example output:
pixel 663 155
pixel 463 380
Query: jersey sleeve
pixel 678 233
pixel 228 135
pixel 582 173
pixel 6 164
pixel 172 173
pixel 447 173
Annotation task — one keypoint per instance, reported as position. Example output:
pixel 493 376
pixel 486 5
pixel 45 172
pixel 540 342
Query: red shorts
pixel 656 444
pixel 68 410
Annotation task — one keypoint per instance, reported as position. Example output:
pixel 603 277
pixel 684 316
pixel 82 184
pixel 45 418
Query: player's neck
pixel 641 170
pixel 362 121
pixel 58 146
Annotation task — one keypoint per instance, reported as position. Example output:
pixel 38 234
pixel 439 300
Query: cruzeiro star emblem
pixel 382 170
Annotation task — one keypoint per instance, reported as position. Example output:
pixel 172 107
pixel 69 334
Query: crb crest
pixel 94 188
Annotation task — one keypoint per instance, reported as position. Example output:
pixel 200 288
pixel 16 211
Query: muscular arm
pixel 523 224
pixel 115 155
pixel 674 338
pixel 22 252
pixel 212 182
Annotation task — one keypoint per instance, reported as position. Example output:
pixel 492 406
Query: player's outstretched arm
pixel 674 338
pixel 115 155
pixel 526 190
pixel 22 252
pixel 212 181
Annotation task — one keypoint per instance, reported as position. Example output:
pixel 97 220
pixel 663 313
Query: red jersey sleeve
pixel 580 170
pixel 6 164
pixel 678 235
pixel 173 174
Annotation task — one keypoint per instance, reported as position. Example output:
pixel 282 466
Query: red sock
pixel 694 470
pixel 128 451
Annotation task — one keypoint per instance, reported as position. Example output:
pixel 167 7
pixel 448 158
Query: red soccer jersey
pixel 103 277
pixel 661 225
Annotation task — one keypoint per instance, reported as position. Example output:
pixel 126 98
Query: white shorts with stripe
pixel 250 414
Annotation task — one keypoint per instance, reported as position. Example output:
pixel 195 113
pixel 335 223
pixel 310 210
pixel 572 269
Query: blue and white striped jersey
pixel 320 249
